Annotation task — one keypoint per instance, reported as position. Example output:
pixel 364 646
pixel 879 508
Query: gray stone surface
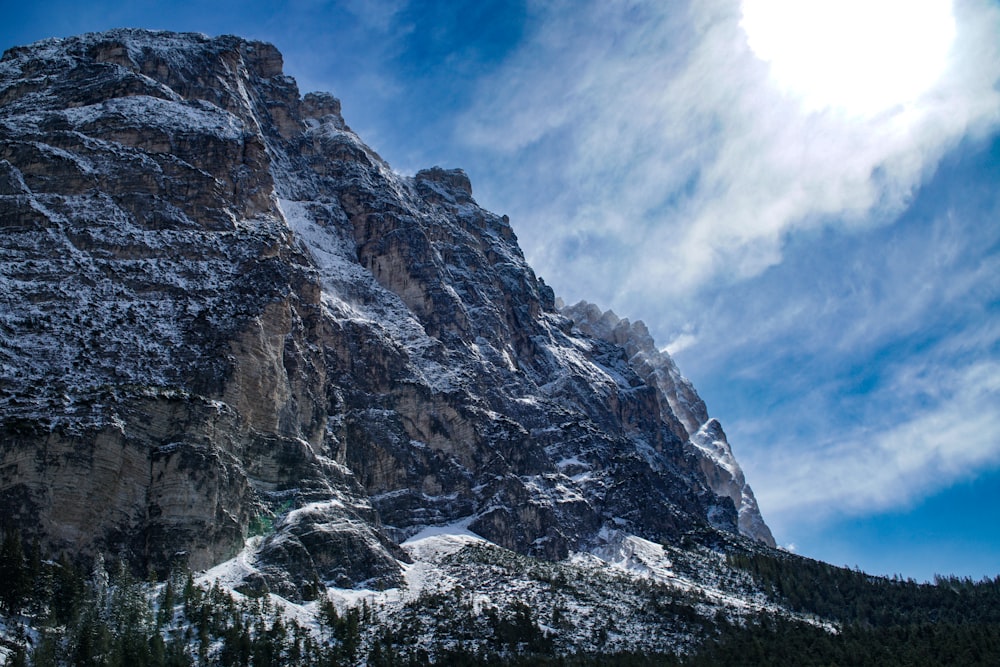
pixel 223 314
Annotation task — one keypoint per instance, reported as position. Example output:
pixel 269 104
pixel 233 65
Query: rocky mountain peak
pixel 681 406
pixel 455 182
pixel 227 326
pixel 682 401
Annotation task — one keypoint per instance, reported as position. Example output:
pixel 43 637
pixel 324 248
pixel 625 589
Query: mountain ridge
pixel 224 307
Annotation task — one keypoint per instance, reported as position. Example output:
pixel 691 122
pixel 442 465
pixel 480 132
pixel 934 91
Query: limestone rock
pixel 224 316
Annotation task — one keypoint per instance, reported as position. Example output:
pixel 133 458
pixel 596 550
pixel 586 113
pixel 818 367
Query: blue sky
pixel 811 226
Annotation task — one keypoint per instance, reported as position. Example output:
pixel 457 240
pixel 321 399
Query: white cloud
pixel 680 342
pixel 665 132
pixel 887 465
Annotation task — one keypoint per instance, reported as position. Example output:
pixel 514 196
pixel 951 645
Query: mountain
pixel 221 308
pixel 234 341
pixel 331 416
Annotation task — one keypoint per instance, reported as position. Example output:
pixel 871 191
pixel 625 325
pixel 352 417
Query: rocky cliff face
pixel 681 407
pixel 222 315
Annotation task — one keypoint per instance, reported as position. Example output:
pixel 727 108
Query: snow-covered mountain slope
pixel 628 596
pixel 225 321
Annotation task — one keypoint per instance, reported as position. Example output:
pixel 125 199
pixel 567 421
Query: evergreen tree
pixel 68 591
pixel 15 579
pixel 166 611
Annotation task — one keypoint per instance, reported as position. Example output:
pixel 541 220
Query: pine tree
pixel 67 591
pixel 166 612
pixel 328 616
pixel 15 581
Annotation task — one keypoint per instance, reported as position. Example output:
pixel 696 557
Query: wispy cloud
pixel 886 465
pixel 882 378
pixel 380 15
pixel 687 152
pixel 849 297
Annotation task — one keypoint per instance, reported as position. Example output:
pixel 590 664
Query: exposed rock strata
pixel 681 407
pixel 224 314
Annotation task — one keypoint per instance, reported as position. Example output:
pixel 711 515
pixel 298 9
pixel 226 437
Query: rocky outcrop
pixel 681 407
pixel 725 477
pixel 223 315
pixel 162 330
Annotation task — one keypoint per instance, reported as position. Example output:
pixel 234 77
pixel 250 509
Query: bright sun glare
pixel 861 56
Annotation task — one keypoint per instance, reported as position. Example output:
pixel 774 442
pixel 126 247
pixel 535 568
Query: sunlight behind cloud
pixel 861 56
pixel 688 158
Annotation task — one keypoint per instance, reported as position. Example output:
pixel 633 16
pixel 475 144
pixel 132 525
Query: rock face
pixel 222 314
pixel 681 407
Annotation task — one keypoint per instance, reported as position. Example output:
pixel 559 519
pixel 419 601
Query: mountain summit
pixel 228 328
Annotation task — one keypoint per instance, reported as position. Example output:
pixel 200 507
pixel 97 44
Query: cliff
pixel 225 321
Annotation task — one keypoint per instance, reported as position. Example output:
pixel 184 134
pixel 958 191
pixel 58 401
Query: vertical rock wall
pixel 223 314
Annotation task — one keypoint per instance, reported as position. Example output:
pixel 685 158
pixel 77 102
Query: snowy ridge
pixel 578 602
pixel 726 478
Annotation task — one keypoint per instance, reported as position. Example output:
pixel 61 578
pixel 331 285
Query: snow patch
pixel 636 555
pixel 434 542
